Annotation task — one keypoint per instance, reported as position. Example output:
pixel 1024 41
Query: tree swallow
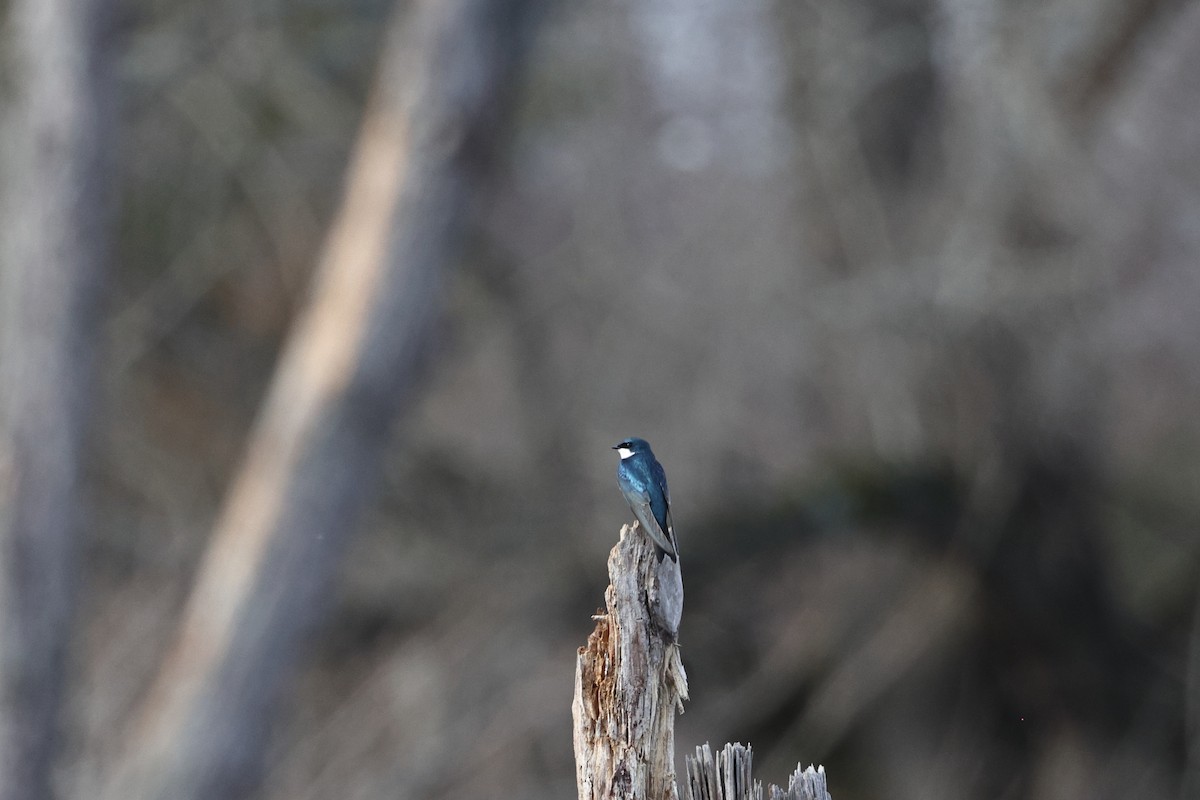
pixel 644 485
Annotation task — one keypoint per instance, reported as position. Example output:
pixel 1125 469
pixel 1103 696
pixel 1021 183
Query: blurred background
pixel 903 292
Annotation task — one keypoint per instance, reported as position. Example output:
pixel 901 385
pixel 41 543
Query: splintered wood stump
pixel 629 684
pixel 629 681
pixel 726 775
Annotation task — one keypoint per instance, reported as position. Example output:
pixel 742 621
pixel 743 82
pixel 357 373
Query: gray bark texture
pixel 629 682
pixel 55 245
pixel 350 365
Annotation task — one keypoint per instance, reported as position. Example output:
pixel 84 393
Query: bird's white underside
pixel 624 452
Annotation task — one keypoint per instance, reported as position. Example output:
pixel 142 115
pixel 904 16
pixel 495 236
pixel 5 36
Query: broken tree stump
pixel 630 684
pixel 629 681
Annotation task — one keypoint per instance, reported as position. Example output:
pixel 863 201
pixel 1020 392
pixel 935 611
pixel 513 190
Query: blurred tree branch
pixel 350 364
pixel 55 232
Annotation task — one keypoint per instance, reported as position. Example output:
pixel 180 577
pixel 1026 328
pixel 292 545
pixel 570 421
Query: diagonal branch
pixel 350 365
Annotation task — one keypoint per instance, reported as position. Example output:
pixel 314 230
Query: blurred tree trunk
pixel 55 237
pixel 349 366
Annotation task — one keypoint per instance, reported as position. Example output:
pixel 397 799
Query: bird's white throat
pixel 624 452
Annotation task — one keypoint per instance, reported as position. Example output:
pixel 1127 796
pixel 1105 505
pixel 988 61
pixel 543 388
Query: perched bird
pixel 644 485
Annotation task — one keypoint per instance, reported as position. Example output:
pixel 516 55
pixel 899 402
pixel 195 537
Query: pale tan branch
pixel 350 365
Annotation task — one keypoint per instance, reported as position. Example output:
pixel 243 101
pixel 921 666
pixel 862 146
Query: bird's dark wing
pixel 660 477
pixel 662 510
pixel 670 531
pixel 662 514
pixel 661 533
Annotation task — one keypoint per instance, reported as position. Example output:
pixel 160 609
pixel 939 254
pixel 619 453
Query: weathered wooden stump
pixel 629 681
pixel 629 685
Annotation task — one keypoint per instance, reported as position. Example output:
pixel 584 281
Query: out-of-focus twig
pixel 349 366
pixel 55 246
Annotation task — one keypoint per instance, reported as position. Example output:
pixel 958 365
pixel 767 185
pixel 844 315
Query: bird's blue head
pixel 631 447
